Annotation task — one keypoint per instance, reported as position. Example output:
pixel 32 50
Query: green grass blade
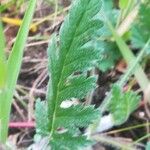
pixel 2 43
pixel 3 74
pixel 13 68
pixel 15 58
pixel 2 57
pixel 132 67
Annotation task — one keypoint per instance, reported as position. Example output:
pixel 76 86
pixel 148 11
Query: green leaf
pixel 122 104
pixel 67 142
pixel 76 88
pixel 109 51
pixel 41 118
pixel 111 13
pixel 109 55
pixel 71 117
pixel 141 29
pixel 69 61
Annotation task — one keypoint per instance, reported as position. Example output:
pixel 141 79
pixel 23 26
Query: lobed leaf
pixel 70 58
pixel 122 104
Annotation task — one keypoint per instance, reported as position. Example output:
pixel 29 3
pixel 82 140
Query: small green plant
pixel 9 69
pixel 70 58
pixel 131 25
pixel 138 40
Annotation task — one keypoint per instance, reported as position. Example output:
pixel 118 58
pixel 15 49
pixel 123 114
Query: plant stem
pixel 128 128
pixel 22 124
pixel 142 138
pixel 4 116
pixel 127 22
pixel 130 6
pixel 132 67
pixel 110 141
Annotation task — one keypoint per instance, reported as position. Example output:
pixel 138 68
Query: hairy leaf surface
pixel 109 55
pixel 109 51
pixel 67 142
pixel 141 29
pixel 41 118
pixel 122 104
pixel 70 58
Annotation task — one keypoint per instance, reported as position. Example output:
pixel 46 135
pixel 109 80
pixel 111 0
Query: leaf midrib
pixel 61 73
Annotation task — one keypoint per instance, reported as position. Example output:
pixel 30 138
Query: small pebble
pixel 141 114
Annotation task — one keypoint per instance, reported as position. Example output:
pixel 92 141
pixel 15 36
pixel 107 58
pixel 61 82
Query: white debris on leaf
pixel 69 103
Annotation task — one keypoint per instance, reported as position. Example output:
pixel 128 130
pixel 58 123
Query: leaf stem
pixel 110 141
pixel 142 138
